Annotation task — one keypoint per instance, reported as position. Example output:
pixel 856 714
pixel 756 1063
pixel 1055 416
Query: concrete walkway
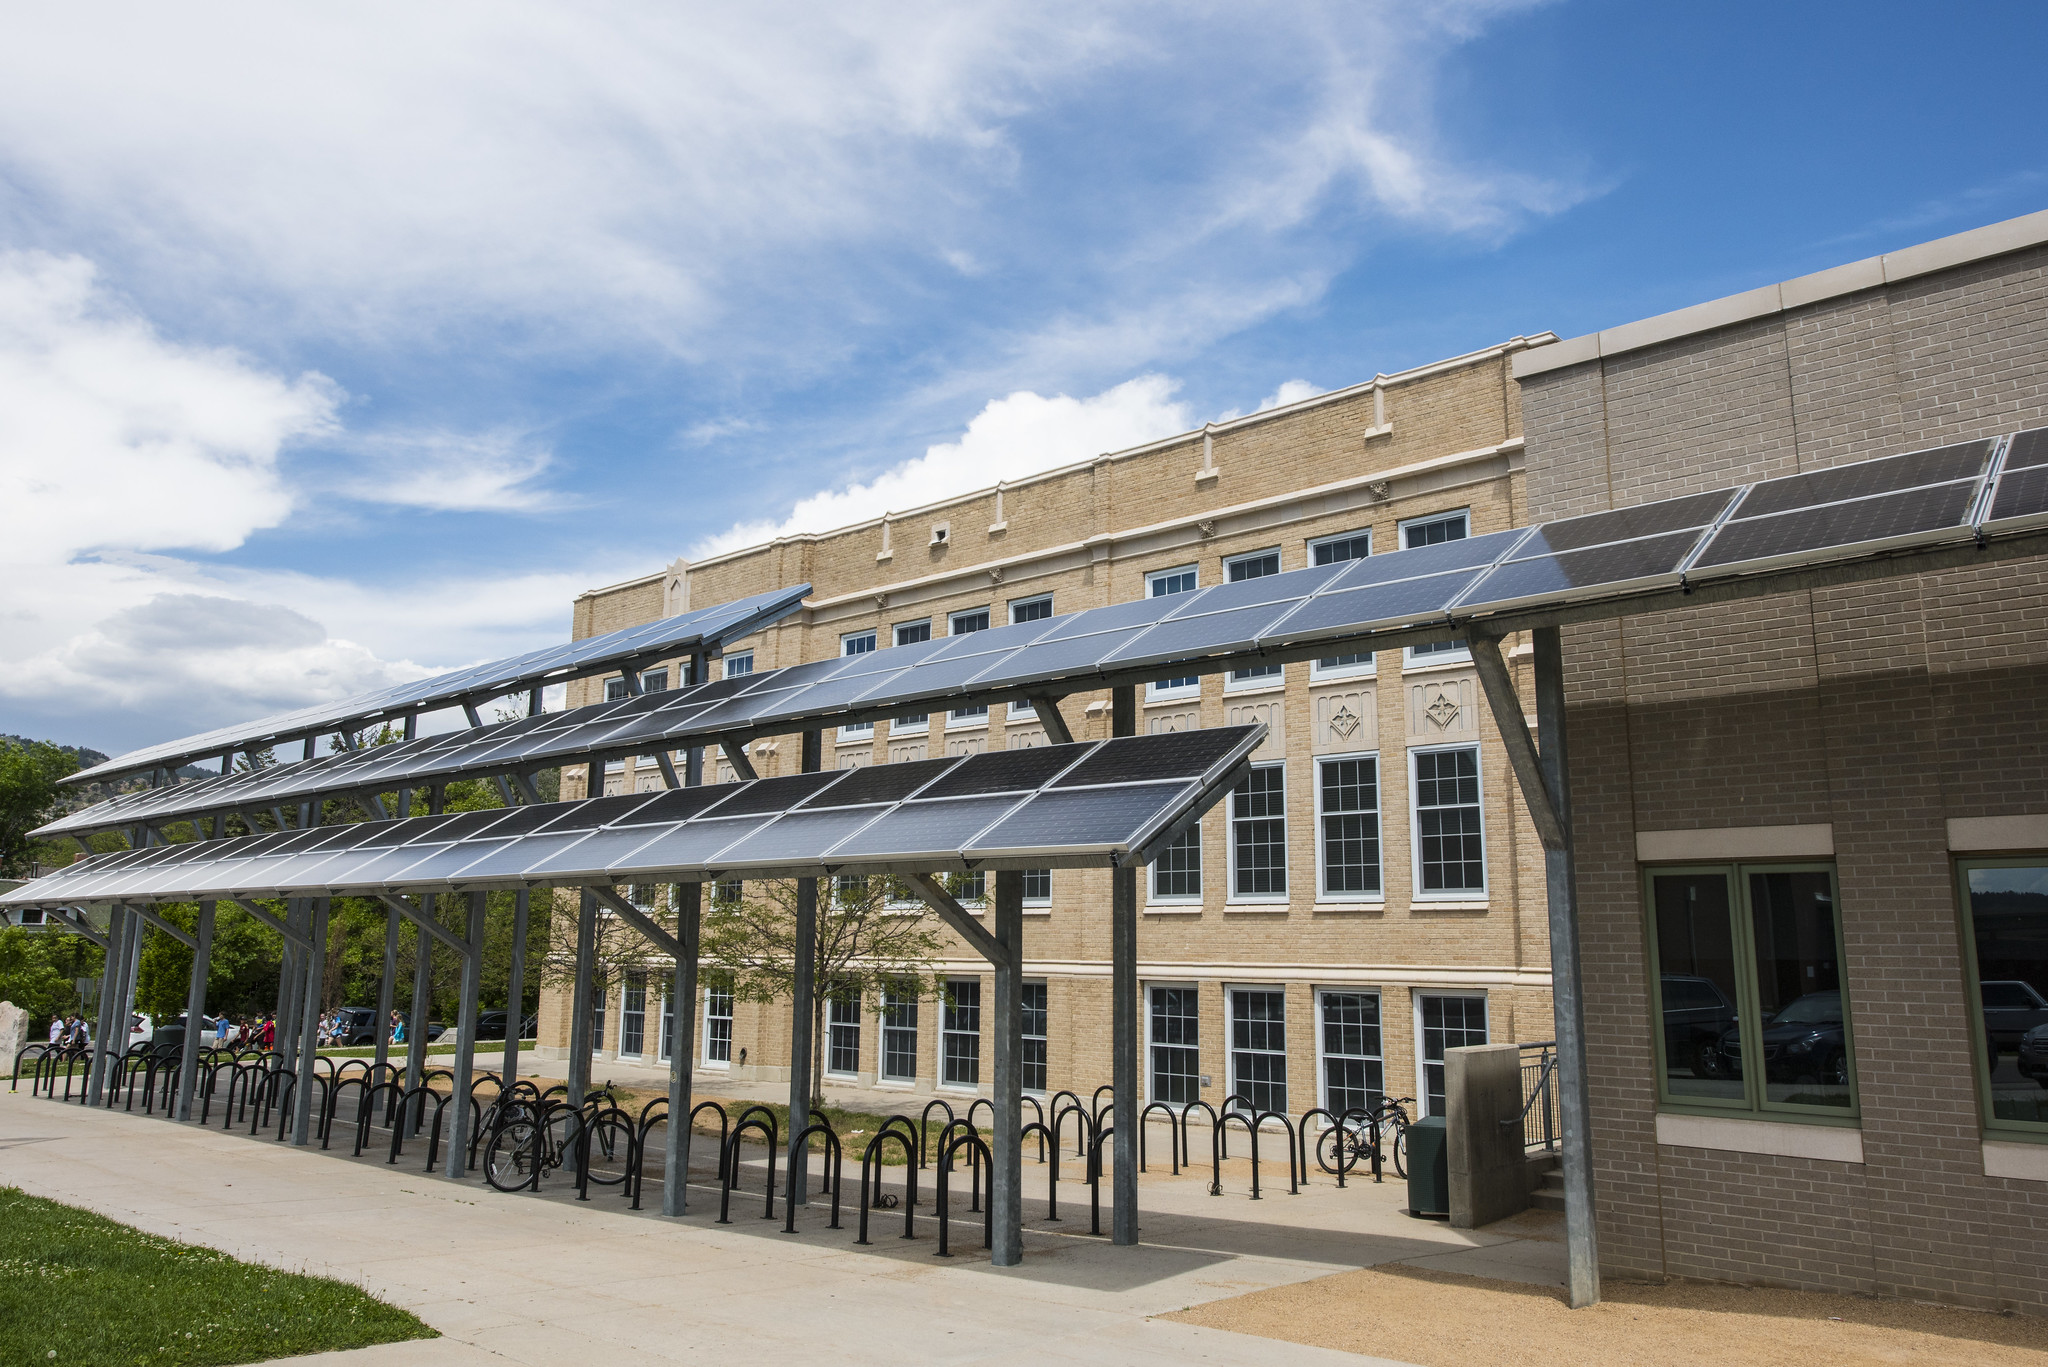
pixel 549 1280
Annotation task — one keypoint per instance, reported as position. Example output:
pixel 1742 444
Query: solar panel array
pixel 1092 803
pixel 1947 495
pixel 704 627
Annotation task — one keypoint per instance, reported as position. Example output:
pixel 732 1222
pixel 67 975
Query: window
pixel 1258 836
pixel 2005 903
pixel 960 1033
pixel 1034 1037
pixel 1750 952
pixel 654 681
pixel 960 624
pixel 1328 551
pixel 970 888
pixel 1037 887
pixel 863 730
pixel 1447 1023
pixel 597 1013
pixel 633 1016
pixel 1185 579
pixel 1030 609
pixel 1174 1023
pixel 857 643
pixel 1348 826
pixel 668 1026
pixel 1351 1050
pixel 739 663
pixel 646 896
pixel 1257 565
pixel 614 689
pixel 842 1032
pixel 726 892
pixel 1258 1049
pixel 899 1034
pixel 1177 872
pixel 913 633
pixel 1450 837
pixel 1430 531
pixel 718 1024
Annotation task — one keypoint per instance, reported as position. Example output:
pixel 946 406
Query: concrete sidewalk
pixel 547 1279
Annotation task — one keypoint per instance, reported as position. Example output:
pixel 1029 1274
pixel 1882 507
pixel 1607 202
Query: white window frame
pixel 1045 901
pixel 1463 654
pixel 1153 692
pixel 625 988
pixel 1145 1006
pixel 1020 709
pixel 883 1078
pixel 832 1025
pixel 1479 894
pixel 1232 683
pixel 896 632
pixel 1045 1039
pixel 1416 998
pixel 849 639
pixel 958 613
pixel 1263 899
pixel 1231 992
pixel 1278 554
pixel 738 657
pixel 946 1032
pixel 1309 546
pixel 1322 1055
pixel 654 680
pixel 904 726
pixel 1179 901
pixel 858 731
pixel 1351 899
pixel 1316 671
pixel 704 1030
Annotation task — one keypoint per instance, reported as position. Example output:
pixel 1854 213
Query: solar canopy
pixel 1608 563
pixel 1097 803
pixel 705 628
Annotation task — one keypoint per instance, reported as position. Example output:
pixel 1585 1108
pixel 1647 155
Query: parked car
pixel 1805 1040
pixel 2011 1008
pixel 141 1028
pixel 357 1027
pixel 491 1025
pixel 2033 1057
pixel 1696 1015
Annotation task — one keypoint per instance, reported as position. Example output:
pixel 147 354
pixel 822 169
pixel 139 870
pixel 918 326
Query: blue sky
pixel 340 347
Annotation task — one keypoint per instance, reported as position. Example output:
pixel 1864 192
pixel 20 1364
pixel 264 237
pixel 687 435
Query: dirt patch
pixel 1444 1319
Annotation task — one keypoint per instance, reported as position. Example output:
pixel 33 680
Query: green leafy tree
pixel 869 938
pixel 28 797
pixel 39 970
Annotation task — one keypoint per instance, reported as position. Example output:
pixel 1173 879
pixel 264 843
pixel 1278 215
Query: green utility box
pixel 1429 1168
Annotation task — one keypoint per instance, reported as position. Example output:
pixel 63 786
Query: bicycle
pixel 1355 1131
pixel 531 1138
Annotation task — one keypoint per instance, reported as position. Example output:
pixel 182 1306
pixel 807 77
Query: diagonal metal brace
pixel 425 922
pixel 640 921
pixel 269 920
pixel 735 752
pixel 183 937
pixel 1047 706
pixel 956 916
pixel 1506 706
pixel 77 924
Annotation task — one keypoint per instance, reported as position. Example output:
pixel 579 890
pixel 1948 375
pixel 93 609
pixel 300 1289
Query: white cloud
pixel 1013 436
pixel 445 471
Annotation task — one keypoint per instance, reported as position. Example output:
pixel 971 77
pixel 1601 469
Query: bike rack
pixel 1172 1148
pixel 1216 1147
pixel 799 1147
pixel 900 1129
pixel 756 1118
pixel 601 1124
pixel 1095 1179
pixel 1293 1178
pixel 977 1154
pixel 946 1137
pixel 924 1120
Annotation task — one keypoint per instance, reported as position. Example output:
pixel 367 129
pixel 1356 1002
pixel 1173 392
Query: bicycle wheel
pixel 1328 1147
pixel 610 1143
pixel 1399 1144
pixel 509 1157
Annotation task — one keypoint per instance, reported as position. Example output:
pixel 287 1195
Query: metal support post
pixel 515 984
pixel 296 948
pixel 112 973
pixel 803 989
pixel 416 1021
pixel 465 1039
pixel 131 969
pixel 693 758
pixel 303 1100
pixel 580 999
pixel 195 1008
pixel 386 990
pixel 682 1051
pixel 1123 985
pixel 1582 1243
pixel 1006 1175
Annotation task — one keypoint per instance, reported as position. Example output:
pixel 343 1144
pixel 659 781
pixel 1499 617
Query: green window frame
pixel 1781 1070
pixel 2025 1094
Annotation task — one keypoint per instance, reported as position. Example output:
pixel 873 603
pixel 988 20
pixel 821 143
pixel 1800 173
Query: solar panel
pixel 1915 515
pixel 1840 483
pixel 1626 524
pixel 2021 501
pixel 1144 759
pixel 1091 818
pixel 2027 449
pixel 1647 562
pixel 1003 771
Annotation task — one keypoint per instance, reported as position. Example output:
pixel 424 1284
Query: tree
pixel 618 948
pixel 28 798
pixel 867 940
pixel 39 969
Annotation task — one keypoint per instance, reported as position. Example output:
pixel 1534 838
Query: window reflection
pixel 2009 916
pixel 1696 952
pixel 1799 988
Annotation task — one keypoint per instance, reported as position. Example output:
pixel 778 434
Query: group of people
pixel 246 1032
pixel 334 1031
pixel 72 1031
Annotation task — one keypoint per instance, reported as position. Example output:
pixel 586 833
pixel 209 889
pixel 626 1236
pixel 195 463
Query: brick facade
pixel 1882 710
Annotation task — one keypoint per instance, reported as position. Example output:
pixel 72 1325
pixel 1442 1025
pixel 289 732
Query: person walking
pixel 57 1025
pixel 266 1034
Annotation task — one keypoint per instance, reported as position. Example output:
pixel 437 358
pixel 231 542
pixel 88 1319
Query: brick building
pixel 1827 810
pixel 1299 905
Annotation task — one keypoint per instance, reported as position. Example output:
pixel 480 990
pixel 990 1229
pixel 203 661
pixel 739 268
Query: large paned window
pixel 1350 1042
pixel 1174 1024
pixel 668 1026
pixel 739 663
pixel 2006 904
pixel 1430 531
pixel 633 1016
pixel 597 1014
pixel 1446 1023
pixel 960 1031
pixel 1258 1048
pixel 1258 836
pixel 1348 826
pixel 910 634
pixel 842 1032
pixel 1450 834
pixel 961 624
pixel 718 1023
pixel 899 1034
pixel 1257 565
pixel 1749 990
pixel 1035 1017
pixel 1158 585
pixel 1038 887
pixel 1329 551
pixel 1177 872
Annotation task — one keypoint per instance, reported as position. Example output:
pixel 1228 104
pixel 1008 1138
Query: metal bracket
pixel 1047 706
pixel 1506 706
pixel 956 916
pixel 181 936
pixel 425 922
pixel 75 922
pixel 736 755
pixel 640 921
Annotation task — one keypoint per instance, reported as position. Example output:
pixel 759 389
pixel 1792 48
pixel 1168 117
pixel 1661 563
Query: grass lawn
pixel 76 1288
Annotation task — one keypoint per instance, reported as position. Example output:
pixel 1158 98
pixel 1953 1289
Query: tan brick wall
pixel 1882 709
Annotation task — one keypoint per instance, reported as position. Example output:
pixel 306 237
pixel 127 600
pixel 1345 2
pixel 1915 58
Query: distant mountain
pixel 85 795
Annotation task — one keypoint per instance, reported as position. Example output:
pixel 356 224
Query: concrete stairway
pixel 1546 1177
